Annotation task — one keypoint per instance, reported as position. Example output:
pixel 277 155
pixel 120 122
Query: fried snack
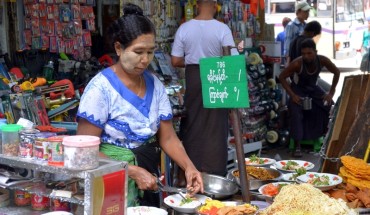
pixel 364 198
pixel 338 194
pixel 356 166
pixel 237 210
pixel 367 191
pixel 353 204
pixel 351 189
pixel 348 177
pixel 351 196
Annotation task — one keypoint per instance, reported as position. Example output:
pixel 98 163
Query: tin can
pixel 40 148
pixel 56 152
pixel 39 202
pixel 59 205
pixel 26 142
pixel 22 198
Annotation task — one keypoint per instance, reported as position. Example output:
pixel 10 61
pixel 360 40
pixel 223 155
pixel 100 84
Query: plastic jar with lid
pixel 10 139
pixel 81 152
pixel 2 123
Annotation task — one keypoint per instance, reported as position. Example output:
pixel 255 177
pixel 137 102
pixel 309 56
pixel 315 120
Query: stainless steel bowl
pixel 254 184
pixel 218 187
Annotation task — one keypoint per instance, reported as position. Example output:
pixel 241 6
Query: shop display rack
pixel 85 201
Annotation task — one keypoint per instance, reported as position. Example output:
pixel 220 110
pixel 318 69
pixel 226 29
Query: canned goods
pixel 56 153
pixel 26 142
pixel 58 205
pixel 22 198
pixel 39 202
pixel 40 148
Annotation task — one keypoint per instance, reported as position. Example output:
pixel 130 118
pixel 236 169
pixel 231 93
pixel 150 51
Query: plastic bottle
pixel 2 123
pixel 48 71
pixel 189 11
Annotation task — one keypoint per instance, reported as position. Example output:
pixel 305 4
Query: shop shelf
pixel 106 168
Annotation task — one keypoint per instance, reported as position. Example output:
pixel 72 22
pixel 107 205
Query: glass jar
pixel 10 139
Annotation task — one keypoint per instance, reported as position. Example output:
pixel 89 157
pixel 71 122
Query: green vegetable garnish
pixel 290 165
pixel 255 159
pixel 300 171
pixel 185 201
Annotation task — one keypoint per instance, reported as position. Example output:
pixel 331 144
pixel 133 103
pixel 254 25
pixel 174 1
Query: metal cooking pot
pixel 218 187
pixel 255 184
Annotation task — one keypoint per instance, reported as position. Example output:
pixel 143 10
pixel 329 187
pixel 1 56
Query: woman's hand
pixel 143 179
pixel 194 181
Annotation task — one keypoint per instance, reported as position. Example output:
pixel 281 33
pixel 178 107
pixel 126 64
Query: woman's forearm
pixel 174 148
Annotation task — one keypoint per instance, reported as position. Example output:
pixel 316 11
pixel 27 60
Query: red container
pixel 22 198
pixel 39 203
pixel 58 205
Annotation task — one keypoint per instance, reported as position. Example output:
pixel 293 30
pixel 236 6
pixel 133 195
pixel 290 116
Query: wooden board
pixel 353 96
pixel 359 132
pixel 338 123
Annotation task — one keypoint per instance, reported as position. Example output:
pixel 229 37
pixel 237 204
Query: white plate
pixel 267 161
pixel 145 210
pixel 260 204
pixel 334 180
pixel 174 201
pixel 58 213
pixel 260 190
pixel 287 176
pixel 306 164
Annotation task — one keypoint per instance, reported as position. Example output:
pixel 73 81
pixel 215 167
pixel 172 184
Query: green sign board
pixel 224 82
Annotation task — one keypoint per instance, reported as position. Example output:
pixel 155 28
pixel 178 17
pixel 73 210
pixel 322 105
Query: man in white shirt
pixel 203 131
pixel 296 27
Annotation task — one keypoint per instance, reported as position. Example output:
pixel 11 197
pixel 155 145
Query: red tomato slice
pixel 265 160
pixel 305 164
pixel 311 175
pixel 335 178
pixel 283 163
pixel 171 200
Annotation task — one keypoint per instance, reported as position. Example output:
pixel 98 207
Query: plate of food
pixel 186 204
pixel 145 210
pixel 292 165
pixel 272 189
pixel 254 160
pixel 214 207
pixel 322 181
pixel 292 176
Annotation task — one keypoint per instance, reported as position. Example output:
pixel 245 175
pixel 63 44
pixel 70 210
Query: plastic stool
pixel 315 142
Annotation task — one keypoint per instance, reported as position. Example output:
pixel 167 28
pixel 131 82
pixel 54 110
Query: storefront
pixel 51 49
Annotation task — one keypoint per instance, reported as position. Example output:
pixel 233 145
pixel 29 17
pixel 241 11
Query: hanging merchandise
pixel 189 10
pixel 58 27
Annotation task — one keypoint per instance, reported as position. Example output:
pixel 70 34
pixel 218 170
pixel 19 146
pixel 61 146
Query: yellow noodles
pixel 304 199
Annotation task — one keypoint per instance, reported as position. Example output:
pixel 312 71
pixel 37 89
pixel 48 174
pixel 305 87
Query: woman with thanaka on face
pixel 128 108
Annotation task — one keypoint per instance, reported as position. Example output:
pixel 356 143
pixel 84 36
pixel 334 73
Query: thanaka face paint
pixel 136 58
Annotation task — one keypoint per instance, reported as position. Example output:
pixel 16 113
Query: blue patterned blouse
pixel 127 120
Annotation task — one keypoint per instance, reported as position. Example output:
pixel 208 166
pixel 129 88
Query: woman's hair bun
pixel 129 9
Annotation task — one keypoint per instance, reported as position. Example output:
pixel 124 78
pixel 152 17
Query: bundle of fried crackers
pixel 355 171
pixel 356 174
